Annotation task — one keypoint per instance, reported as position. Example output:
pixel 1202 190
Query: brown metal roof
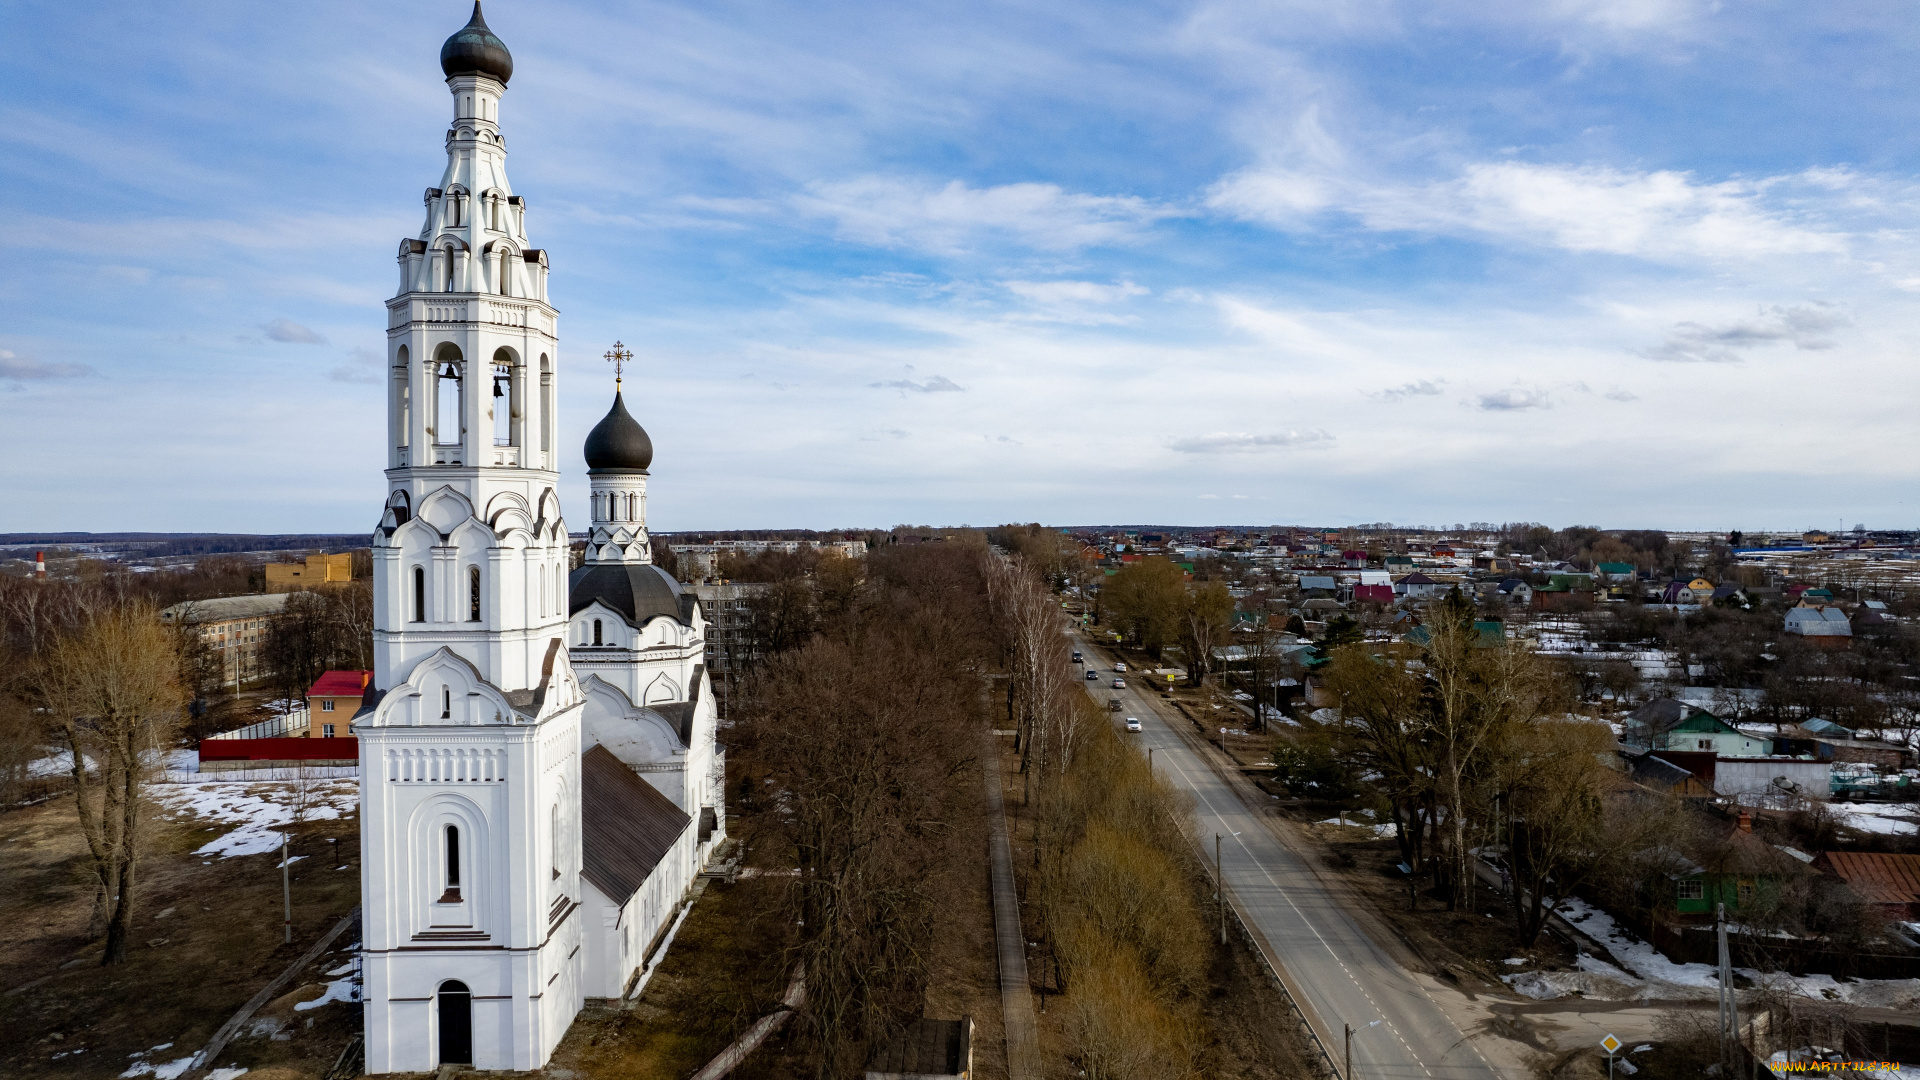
pixel 1879 878
pixel 627 827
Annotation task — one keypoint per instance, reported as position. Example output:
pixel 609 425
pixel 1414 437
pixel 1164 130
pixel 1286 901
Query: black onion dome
pixel 474 50
pixel 618 443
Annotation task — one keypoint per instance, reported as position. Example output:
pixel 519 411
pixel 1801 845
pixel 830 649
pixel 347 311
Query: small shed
pixel 925 1050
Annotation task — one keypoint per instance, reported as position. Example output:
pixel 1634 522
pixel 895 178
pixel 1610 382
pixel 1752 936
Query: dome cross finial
pixel 618 356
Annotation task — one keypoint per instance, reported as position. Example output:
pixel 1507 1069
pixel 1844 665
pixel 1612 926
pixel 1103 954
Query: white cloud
pixel 15 366
pixel 898 213
pixel 1621 395
pixel 1423 388
pixel 938 384
pixel 1223 442
pixel 1075 292
pixel 365 368
pixel 1515 399
pixel 1806 326
pixel 1661 215
pixel 292 333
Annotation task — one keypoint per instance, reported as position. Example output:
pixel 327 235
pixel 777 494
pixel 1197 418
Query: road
pixel 1337 970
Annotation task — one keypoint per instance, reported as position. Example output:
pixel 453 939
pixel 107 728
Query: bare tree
pixel 113 690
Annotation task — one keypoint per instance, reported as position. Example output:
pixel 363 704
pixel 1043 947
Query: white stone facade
pixel 496 899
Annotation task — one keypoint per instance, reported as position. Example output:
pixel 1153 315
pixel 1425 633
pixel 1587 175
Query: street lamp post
pixel 1220 885
pixel 1348 1075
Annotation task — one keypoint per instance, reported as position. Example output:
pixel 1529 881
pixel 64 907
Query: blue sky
pixel 1630 263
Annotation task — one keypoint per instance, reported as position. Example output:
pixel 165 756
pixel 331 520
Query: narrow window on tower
pixel 554 817
pixel 446 703
pixel 452 895
pixel 546 404
pixel 449 267
pixel 419 594
pixel 473 594
pixel 596 631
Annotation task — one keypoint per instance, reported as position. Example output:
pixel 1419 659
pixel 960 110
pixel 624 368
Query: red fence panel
pixel 280 749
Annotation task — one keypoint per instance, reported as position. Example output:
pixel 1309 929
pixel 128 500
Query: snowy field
pixel 1638 972
pixel 260 809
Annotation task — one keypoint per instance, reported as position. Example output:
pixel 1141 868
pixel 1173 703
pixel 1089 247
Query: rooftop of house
pixel 1877 877
pixel 224 608
pixel 341 684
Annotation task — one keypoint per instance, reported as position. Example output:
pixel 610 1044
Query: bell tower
pixel 472 551
pixel 470 782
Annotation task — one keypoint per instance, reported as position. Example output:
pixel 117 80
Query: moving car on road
pixel 1118 666
pixel 1076 656
pixel 1092 674
pixel 1119 684
pixel 1133 723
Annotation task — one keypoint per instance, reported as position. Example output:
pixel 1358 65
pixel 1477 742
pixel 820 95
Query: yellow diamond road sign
pixel 1610 1044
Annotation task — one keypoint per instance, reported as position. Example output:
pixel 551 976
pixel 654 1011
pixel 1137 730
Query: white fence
pixel 292 725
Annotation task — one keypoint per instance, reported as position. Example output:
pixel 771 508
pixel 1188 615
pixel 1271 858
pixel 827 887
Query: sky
pixel 1628 263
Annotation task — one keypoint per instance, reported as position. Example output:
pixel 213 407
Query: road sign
pixel 1611 1045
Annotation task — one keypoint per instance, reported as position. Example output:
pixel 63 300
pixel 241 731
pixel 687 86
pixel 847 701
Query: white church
pixel 539 780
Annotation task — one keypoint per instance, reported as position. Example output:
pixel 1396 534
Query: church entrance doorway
pixel 456 1024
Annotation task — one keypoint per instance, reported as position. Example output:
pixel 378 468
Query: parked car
pixel 1119 684
pixel 1092 674
pixel 1133 723
pixel 1119 666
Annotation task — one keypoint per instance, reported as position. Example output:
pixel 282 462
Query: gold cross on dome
pixel 619 355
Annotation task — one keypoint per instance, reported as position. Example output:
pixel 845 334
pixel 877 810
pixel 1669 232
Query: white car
pixel 1133 723
pixel 1119 666
pixel 1119 684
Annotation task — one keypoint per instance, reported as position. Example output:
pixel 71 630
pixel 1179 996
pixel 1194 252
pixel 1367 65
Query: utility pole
pixel 1220 888
pixel 1347 1073
pixel 1729 1008
pixel 286 883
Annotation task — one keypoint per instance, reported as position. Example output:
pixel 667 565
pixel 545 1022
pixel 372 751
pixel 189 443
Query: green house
pixel 1742 871
pixel 1706 733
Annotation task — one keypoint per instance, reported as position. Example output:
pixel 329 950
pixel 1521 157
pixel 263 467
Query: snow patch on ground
pixel 1649 975
pixel 260 809
pixel 338 990
pixel 1888 819
pixel 170 1070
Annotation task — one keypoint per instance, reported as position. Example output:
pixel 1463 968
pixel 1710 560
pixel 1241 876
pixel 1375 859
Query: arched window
pixel 501 257
pixel 448 411
pixel 546 403
pixel 453 860
pixel 446 703
pixel 506 401
pixel 419 594
pixel 596 631
pixel 473 594
pixel 450 263
pixel 402 398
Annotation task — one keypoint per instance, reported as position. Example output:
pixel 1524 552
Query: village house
pixel 1823 626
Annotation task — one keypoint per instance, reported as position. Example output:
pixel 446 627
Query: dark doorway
pixel 456 1024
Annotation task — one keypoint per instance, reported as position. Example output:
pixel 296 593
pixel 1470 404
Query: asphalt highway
pixel 1330 962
